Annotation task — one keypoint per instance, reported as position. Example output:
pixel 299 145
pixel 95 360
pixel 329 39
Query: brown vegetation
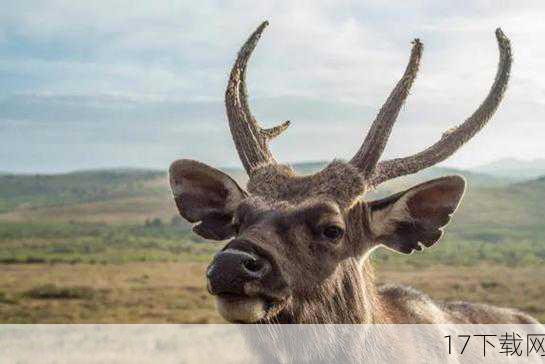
pixel 155 292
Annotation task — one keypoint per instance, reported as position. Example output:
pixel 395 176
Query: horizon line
pixel 240 168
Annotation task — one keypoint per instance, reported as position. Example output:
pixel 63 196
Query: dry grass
pixel 155 292
pixel 133 210
pixel 127 293
pixel 520 288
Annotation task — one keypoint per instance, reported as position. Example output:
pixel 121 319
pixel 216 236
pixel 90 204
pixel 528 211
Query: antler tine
pixel 250 139
pixel 369 153
pixel 454 138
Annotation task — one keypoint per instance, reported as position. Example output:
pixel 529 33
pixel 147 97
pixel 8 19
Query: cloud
pixel 145 81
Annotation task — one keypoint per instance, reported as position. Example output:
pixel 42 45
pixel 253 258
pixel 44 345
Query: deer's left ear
pixel 407 220
pixel 206 196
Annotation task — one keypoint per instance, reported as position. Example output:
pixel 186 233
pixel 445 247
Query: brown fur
pixel 338 181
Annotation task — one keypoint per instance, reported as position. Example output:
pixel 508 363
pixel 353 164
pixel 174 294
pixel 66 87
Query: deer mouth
pixel 246 309
pixel 246 282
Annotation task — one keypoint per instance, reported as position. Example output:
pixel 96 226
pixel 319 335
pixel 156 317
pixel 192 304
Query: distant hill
pixel 38 190
pixel 34 191
pixel 133 196
pixel 538 183
pixel 514 168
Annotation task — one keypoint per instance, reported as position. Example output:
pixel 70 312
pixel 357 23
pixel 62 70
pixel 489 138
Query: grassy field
pixel 157 292
pixel 119 253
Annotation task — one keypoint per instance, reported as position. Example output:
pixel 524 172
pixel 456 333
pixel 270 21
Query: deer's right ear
pixel 415 218
pixel 206 195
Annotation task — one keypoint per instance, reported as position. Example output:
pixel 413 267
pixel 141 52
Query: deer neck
pixel 349 297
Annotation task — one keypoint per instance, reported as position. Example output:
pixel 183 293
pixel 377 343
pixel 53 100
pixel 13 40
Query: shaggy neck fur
pixel 348 297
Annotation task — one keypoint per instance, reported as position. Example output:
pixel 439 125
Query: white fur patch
pixel 246 309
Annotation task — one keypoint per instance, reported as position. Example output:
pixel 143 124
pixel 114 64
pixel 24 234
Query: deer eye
pixel 333 232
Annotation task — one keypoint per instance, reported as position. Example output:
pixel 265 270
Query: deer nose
pixel 232 269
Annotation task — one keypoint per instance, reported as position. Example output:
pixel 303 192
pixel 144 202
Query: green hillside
pixel 118 215
pixel 77 187
pixel 489 200
pixel 514 168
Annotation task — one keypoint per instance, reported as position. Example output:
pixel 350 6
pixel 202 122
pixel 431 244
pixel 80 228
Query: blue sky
pixel 122 83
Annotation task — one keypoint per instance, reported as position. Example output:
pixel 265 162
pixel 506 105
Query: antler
pixel 250 139
pixel 454 138
pixel 368 155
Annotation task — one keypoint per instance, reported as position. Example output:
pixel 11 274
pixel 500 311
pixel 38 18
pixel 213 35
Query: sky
pixel 103 84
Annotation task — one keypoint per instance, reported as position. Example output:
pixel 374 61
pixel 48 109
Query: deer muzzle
pixel 231 270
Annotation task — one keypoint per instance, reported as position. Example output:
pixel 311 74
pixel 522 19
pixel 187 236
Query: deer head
pixel 295 238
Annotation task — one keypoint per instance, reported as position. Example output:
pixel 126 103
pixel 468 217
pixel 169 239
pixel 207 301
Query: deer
pixel 298 246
